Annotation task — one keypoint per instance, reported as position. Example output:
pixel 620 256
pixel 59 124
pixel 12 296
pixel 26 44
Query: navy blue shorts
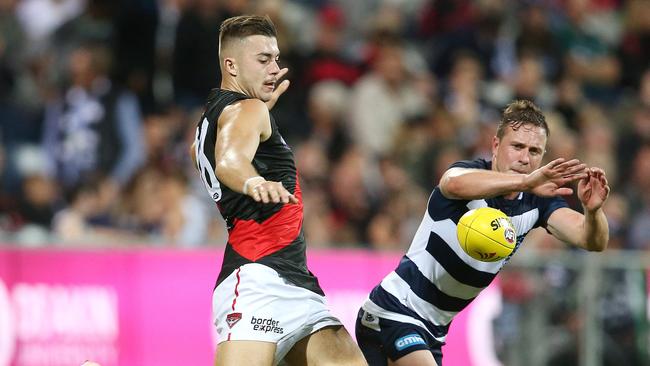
pixel 381 339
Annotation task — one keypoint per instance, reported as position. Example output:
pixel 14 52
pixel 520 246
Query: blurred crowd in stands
pixel 99 100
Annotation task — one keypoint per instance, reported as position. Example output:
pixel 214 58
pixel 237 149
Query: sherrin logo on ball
pixel 486 234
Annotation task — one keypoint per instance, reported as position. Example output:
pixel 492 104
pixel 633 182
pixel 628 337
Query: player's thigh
pixel 389 342
pixel 416 358
pixel 328 346
pixel 253 353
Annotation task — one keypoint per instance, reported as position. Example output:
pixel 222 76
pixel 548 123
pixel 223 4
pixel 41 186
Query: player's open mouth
pixel 270 85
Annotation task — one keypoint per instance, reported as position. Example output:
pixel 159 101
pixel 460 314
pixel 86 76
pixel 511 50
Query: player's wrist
pixel 252 182
pixel 523 183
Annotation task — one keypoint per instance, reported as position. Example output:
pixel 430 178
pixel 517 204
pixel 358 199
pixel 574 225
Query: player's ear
pixel 230 66
pixel 495 145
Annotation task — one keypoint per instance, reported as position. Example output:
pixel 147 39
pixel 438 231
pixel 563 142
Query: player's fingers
pixel 553 163
pixel 604 181
pixel 572 178
pixel 571 164
pixel 571 174
pixel 281 88
pixel 256 194
pixel 576 172
pixel 599 174
pixel 600 181
pixel 282 72
pixel 274 195
pixel 263 192
pixel 564 191
pixel 284 195
pixel 597 171
pixel 293 199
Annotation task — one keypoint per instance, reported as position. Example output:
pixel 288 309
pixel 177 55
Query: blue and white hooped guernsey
pixel 436 279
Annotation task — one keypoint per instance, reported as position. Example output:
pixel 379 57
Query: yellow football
pixel 486 234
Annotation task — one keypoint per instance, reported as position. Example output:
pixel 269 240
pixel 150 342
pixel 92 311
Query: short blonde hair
pixel 521 112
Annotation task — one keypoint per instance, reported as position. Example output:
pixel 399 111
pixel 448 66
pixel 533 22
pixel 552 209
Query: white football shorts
pixel 255 304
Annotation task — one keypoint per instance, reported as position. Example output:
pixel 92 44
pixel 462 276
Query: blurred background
pixel 99 100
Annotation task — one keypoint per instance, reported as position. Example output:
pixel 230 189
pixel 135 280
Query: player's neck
pixel 229 84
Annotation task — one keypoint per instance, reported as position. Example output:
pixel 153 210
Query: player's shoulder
pixel 252 105
pixel 246 109
pixel 478 163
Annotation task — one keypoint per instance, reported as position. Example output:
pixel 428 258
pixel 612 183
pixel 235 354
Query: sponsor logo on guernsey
pixel 409 340
pixel 232 319
pixel 266 325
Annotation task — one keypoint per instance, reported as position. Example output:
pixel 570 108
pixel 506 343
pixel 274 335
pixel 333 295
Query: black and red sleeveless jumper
pixel 269 234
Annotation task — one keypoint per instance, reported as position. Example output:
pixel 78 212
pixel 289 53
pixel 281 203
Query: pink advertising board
pixel 152 306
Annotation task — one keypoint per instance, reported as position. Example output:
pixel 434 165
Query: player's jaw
pixel 267 88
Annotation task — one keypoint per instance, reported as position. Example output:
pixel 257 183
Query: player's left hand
pixel 593 190
pixel 279 88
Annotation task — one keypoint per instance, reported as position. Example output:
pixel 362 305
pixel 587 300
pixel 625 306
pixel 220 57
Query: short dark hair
pixel 521 112
pixel 245 25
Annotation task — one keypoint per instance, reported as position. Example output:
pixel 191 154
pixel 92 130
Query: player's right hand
pixel 271 192
pixel 279 89
pixel 549 180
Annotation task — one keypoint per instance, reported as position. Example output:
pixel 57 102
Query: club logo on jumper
pixel 232 319
pixel 409 340
pixel 370 321
pixel 286 146
pixel 266 325
pixel 509 235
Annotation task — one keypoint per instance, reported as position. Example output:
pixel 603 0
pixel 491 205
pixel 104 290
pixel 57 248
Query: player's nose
pixel 524 156
pixel 275 68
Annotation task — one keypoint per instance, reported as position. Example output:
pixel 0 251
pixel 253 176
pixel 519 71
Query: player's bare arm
pixel 546 181
pixel 281 88
pixel 593 231
pixel 242 126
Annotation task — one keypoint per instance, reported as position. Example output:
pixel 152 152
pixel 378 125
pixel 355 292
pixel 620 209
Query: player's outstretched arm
pixel 242 126
pixel 590 230
pixel 547 181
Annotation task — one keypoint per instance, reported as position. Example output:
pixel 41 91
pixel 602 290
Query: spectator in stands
pixel 383 100
pixel 95 127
